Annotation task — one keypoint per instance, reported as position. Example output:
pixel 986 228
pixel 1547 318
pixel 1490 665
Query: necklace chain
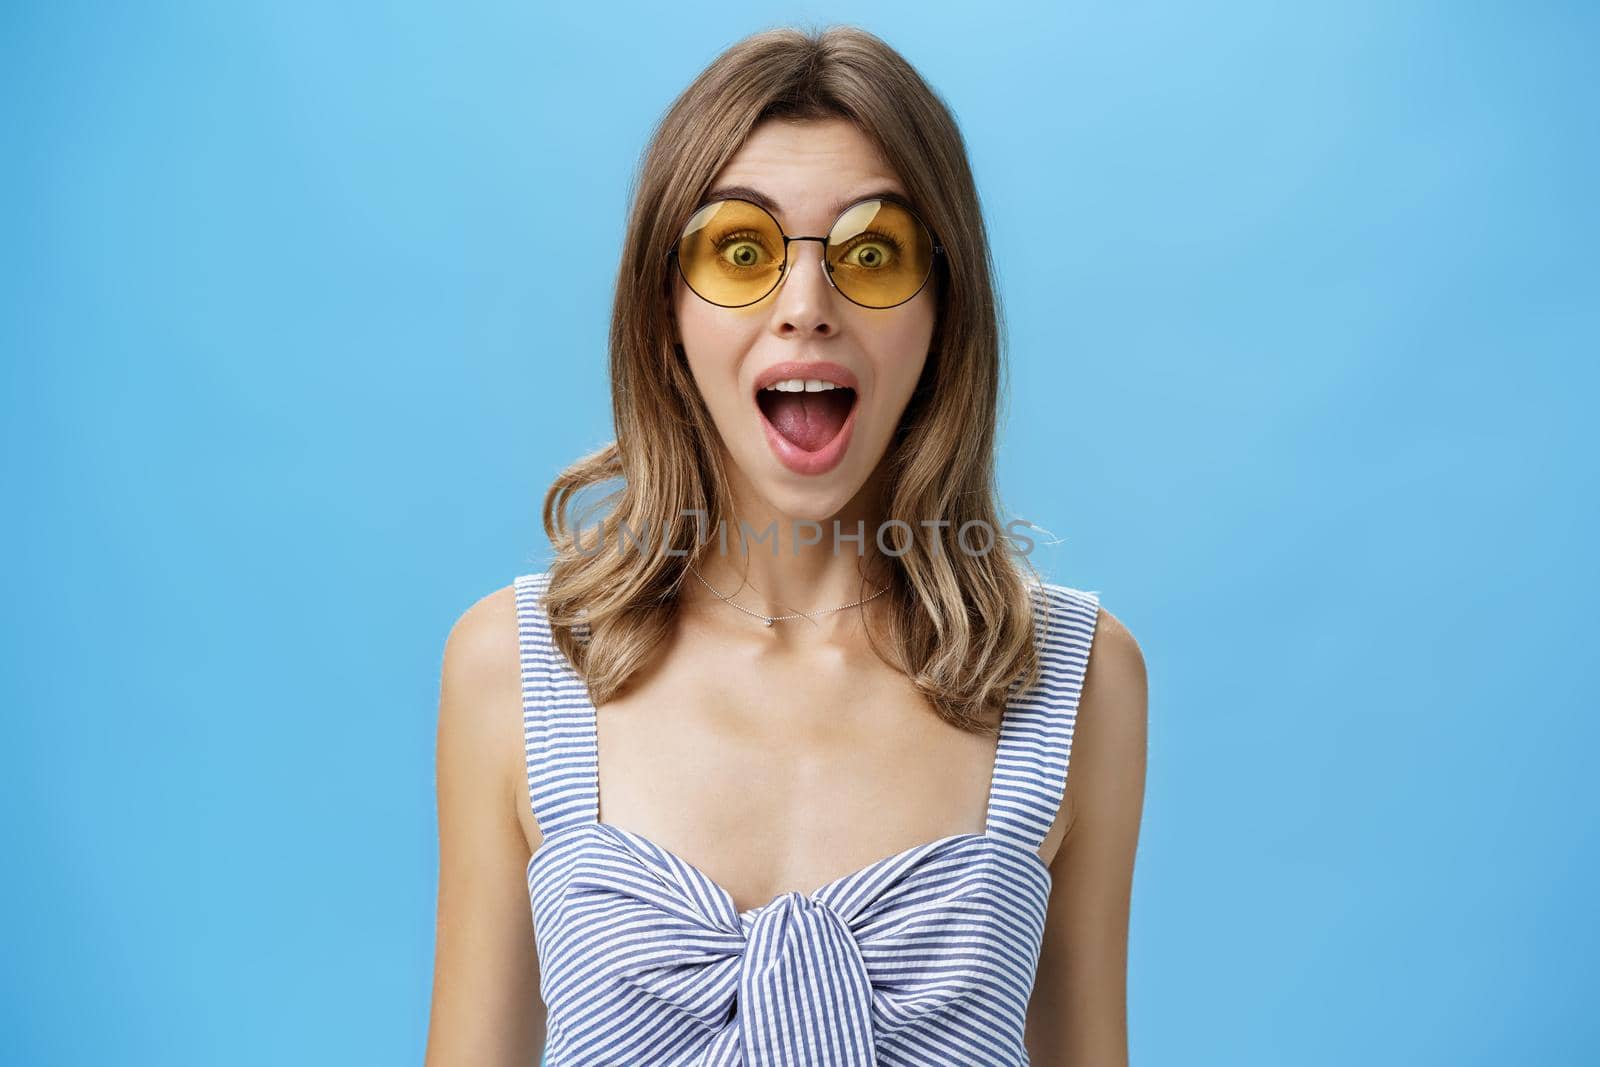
pixel 770 619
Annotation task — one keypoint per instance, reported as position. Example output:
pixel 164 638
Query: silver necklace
pixel 768 620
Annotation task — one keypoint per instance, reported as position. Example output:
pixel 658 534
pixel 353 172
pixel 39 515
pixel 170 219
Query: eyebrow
pixel 762 200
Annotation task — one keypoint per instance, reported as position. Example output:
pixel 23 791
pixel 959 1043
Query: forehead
pixel 807 170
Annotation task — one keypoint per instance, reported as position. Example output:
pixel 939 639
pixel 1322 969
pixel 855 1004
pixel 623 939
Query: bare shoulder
pixel 479 687
pixel 1110 734
pixel 1116 677
pixel 483 639
pixel 1113 707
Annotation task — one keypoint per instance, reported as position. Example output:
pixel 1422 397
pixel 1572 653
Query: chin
pixel 814 499
pixel 814 505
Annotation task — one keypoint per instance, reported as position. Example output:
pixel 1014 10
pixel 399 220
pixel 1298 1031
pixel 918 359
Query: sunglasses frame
pixel 783 270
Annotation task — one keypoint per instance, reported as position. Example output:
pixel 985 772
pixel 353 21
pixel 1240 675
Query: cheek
pixel 697 325
pixel 711 347
pixel 679 306
pixel 906 341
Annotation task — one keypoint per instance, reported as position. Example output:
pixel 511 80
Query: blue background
pixel 304 305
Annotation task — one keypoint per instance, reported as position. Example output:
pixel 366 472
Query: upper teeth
pixel 802 385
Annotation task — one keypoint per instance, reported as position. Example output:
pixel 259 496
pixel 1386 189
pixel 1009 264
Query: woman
pixel 777 753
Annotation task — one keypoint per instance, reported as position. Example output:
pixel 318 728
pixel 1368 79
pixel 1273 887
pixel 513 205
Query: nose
pixel 805 294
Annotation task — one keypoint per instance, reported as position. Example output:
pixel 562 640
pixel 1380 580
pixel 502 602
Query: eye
pixel 872 252
pixel 742 250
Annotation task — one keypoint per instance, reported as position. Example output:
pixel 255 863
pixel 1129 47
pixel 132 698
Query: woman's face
pixel 805 455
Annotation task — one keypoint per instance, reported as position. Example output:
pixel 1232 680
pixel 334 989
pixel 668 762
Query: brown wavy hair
pixel 962 625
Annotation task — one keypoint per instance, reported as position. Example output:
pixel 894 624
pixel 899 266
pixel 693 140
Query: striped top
pixel 923 957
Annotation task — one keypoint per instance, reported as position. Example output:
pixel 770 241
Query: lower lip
pixel 798 459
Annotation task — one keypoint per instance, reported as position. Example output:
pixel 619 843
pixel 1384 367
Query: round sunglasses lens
pixel 731 253
pixel 880 253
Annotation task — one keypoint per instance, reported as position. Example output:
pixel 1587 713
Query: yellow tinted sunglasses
pixel 878 253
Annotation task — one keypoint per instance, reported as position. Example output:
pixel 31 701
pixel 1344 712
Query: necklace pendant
pixel 767 620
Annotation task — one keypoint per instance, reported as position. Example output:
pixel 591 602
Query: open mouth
pixel 808 413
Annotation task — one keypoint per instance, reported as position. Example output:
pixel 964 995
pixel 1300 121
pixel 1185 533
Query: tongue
pixel 807 420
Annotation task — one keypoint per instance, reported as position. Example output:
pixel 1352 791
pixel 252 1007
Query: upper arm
pixel 1078 1012
pixel 485 1009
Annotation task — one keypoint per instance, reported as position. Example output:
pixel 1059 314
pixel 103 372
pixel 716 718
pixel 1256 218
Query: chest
pixel 773 771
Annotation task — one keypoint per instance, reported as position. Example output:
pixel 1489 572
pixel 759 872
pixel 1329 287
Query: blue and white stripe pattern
pixel 924 957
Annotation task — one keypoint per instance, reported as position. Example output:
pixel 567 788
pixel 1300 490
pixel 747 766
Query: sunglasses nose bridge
pixel 827 268
pixel 787 241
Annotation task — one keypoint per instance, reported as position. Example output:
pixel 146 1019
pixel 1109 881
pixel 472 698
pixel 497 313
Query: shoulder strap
pixel 1035 746
pixel 558 722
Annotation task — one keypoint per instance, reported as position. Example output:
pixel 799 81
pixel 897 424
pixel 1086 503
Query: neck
pixel 776 564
